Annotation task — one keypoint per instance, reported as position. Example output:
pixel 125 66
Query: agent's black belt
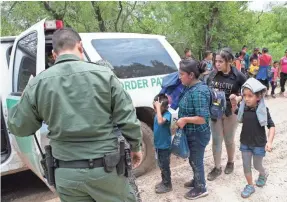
pixel 91 163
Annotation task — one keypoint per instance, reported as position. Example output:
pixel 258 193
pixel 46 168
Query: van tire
pixel 148 162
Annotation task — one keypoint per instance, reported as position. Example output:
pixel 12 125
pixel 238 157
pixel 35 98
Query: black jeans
pixel 197 142
pixel 273 85
pixel 283 79
pixel 163 156
pixel 265 83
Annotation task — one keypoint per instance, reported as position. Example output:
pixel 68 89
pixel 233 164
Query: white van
pixel 10 161
pixel 140 61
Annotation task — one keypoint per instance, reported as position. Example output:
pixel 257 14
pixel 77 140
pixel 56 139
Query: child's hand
pixel 157 104
pixel 181 123
pixel 268 147
pixel 234 101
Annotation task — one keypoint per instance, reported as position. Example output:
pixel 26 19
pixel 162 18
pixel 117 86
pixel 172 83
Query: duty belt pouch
pixel 111 160
pixel 47 163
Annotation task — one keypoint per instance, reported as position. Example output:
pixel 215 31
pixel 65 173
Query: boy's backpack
pixel 218 100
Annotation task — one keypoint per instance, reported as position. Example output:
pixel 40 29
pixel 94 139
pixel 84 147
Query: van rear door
pixel 27 59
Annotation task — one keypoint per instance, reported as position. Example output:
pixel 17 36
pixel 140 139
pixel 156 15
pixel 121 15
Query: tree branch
pixel 128 14
pixel 53 12
pixel 65 10
pixel 98 16
pixel 259 17
pixel 49 9
pixel 119 15
pixel 11 8
pixel 209 26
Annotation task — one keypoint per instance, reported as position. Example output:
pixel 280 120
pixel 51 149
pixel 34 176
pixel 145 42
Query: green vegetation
pixel 198 25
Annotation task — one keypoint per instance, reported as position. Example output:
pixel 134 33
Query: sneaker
pixel 189 184
pixel 229 168
pixel 214 174
pixel 274 96
pixel 261 181
pixel 247 191
pixel 196 193
pixel 162 188
pixel 158 184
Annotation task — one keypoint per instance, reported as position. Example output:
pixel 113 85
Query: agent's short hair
pixel 65 39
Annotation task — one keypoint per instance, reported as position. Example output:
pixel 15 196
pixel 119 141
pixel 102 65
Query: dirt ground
pixel 227 188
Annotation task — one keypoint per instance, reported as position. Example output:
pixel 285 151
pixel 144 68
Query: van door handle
pixel 16 94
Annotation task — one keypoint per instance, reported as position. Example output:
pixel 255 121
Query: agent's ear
pixel 80 47
pixel 54 55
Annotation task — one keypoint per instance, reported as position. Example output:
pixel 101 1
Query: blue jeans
pixel 197 142
pixel 163 156
pixel 256 151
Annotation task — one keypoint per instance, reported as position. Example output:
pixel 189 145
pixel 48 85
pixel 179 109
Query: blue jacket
pixel 172 86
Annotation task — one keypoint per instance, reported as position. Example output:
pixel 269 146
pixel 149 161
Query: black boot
pixel 163 188
pixel 214 174
pixel 158 184
pixel 229 168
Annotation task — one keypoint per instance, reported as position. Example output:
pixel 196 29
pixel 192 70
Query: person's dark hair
pixel 65 39
pixel 275 62
pixel 207 53
pixel 244 47
pixel 226 54
pixel 254 59
pixel 163 99
pixel 213 58
pixel 186 50
pixel 243 53
pixel 264 50
pixel 286 51
pixel 192 66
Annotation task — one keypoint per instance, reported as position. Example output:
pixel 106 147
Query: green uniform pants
pixel 90 185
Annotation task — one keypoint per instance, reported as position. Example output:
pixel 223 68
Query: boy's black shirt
pixel 253 134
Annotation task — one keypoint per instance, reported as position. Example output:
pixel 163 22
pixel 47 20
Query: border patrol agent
pixel 80 102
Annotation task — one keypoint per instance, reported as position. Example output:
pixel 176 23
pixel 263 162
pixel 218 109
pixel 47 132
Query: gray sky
pixel 259 5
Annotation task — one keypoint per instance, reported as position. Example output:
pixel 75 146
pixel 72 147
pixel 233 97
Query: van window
pixel 25 61
pixel 134 57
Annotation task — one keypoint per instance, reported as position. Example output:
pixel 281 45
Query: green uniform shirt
pixel 80 102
